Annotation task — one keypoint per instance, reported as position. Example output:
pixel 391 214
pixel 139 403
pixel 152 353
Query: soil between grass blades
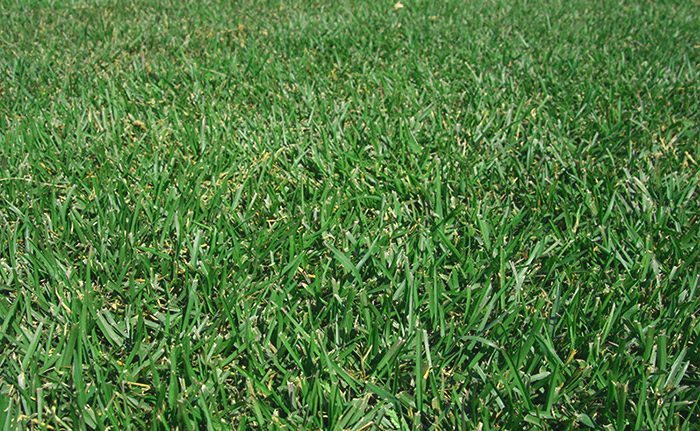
pixel 349 215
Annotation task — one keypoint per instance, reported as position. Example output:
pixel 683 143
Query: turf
pixel 349 215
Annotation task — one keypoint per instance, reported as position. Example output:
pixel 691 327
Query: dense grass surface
pixel 346 215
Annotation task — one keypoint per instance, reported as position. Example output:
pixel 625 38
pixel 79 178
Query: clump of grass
pixel 349 215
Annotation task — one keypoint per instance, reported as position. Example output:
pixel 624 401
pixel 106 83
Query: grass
pixel 341 215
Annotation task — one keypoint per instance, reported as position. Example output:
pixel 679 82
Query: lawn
pixel 349 215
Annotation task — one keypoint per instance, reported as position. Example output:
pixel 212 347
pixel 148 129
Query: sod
pixel 349 215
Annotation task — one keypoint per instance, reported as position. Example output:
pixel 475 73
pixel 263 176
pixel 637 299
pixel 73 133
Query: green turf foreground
pixel 349 215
